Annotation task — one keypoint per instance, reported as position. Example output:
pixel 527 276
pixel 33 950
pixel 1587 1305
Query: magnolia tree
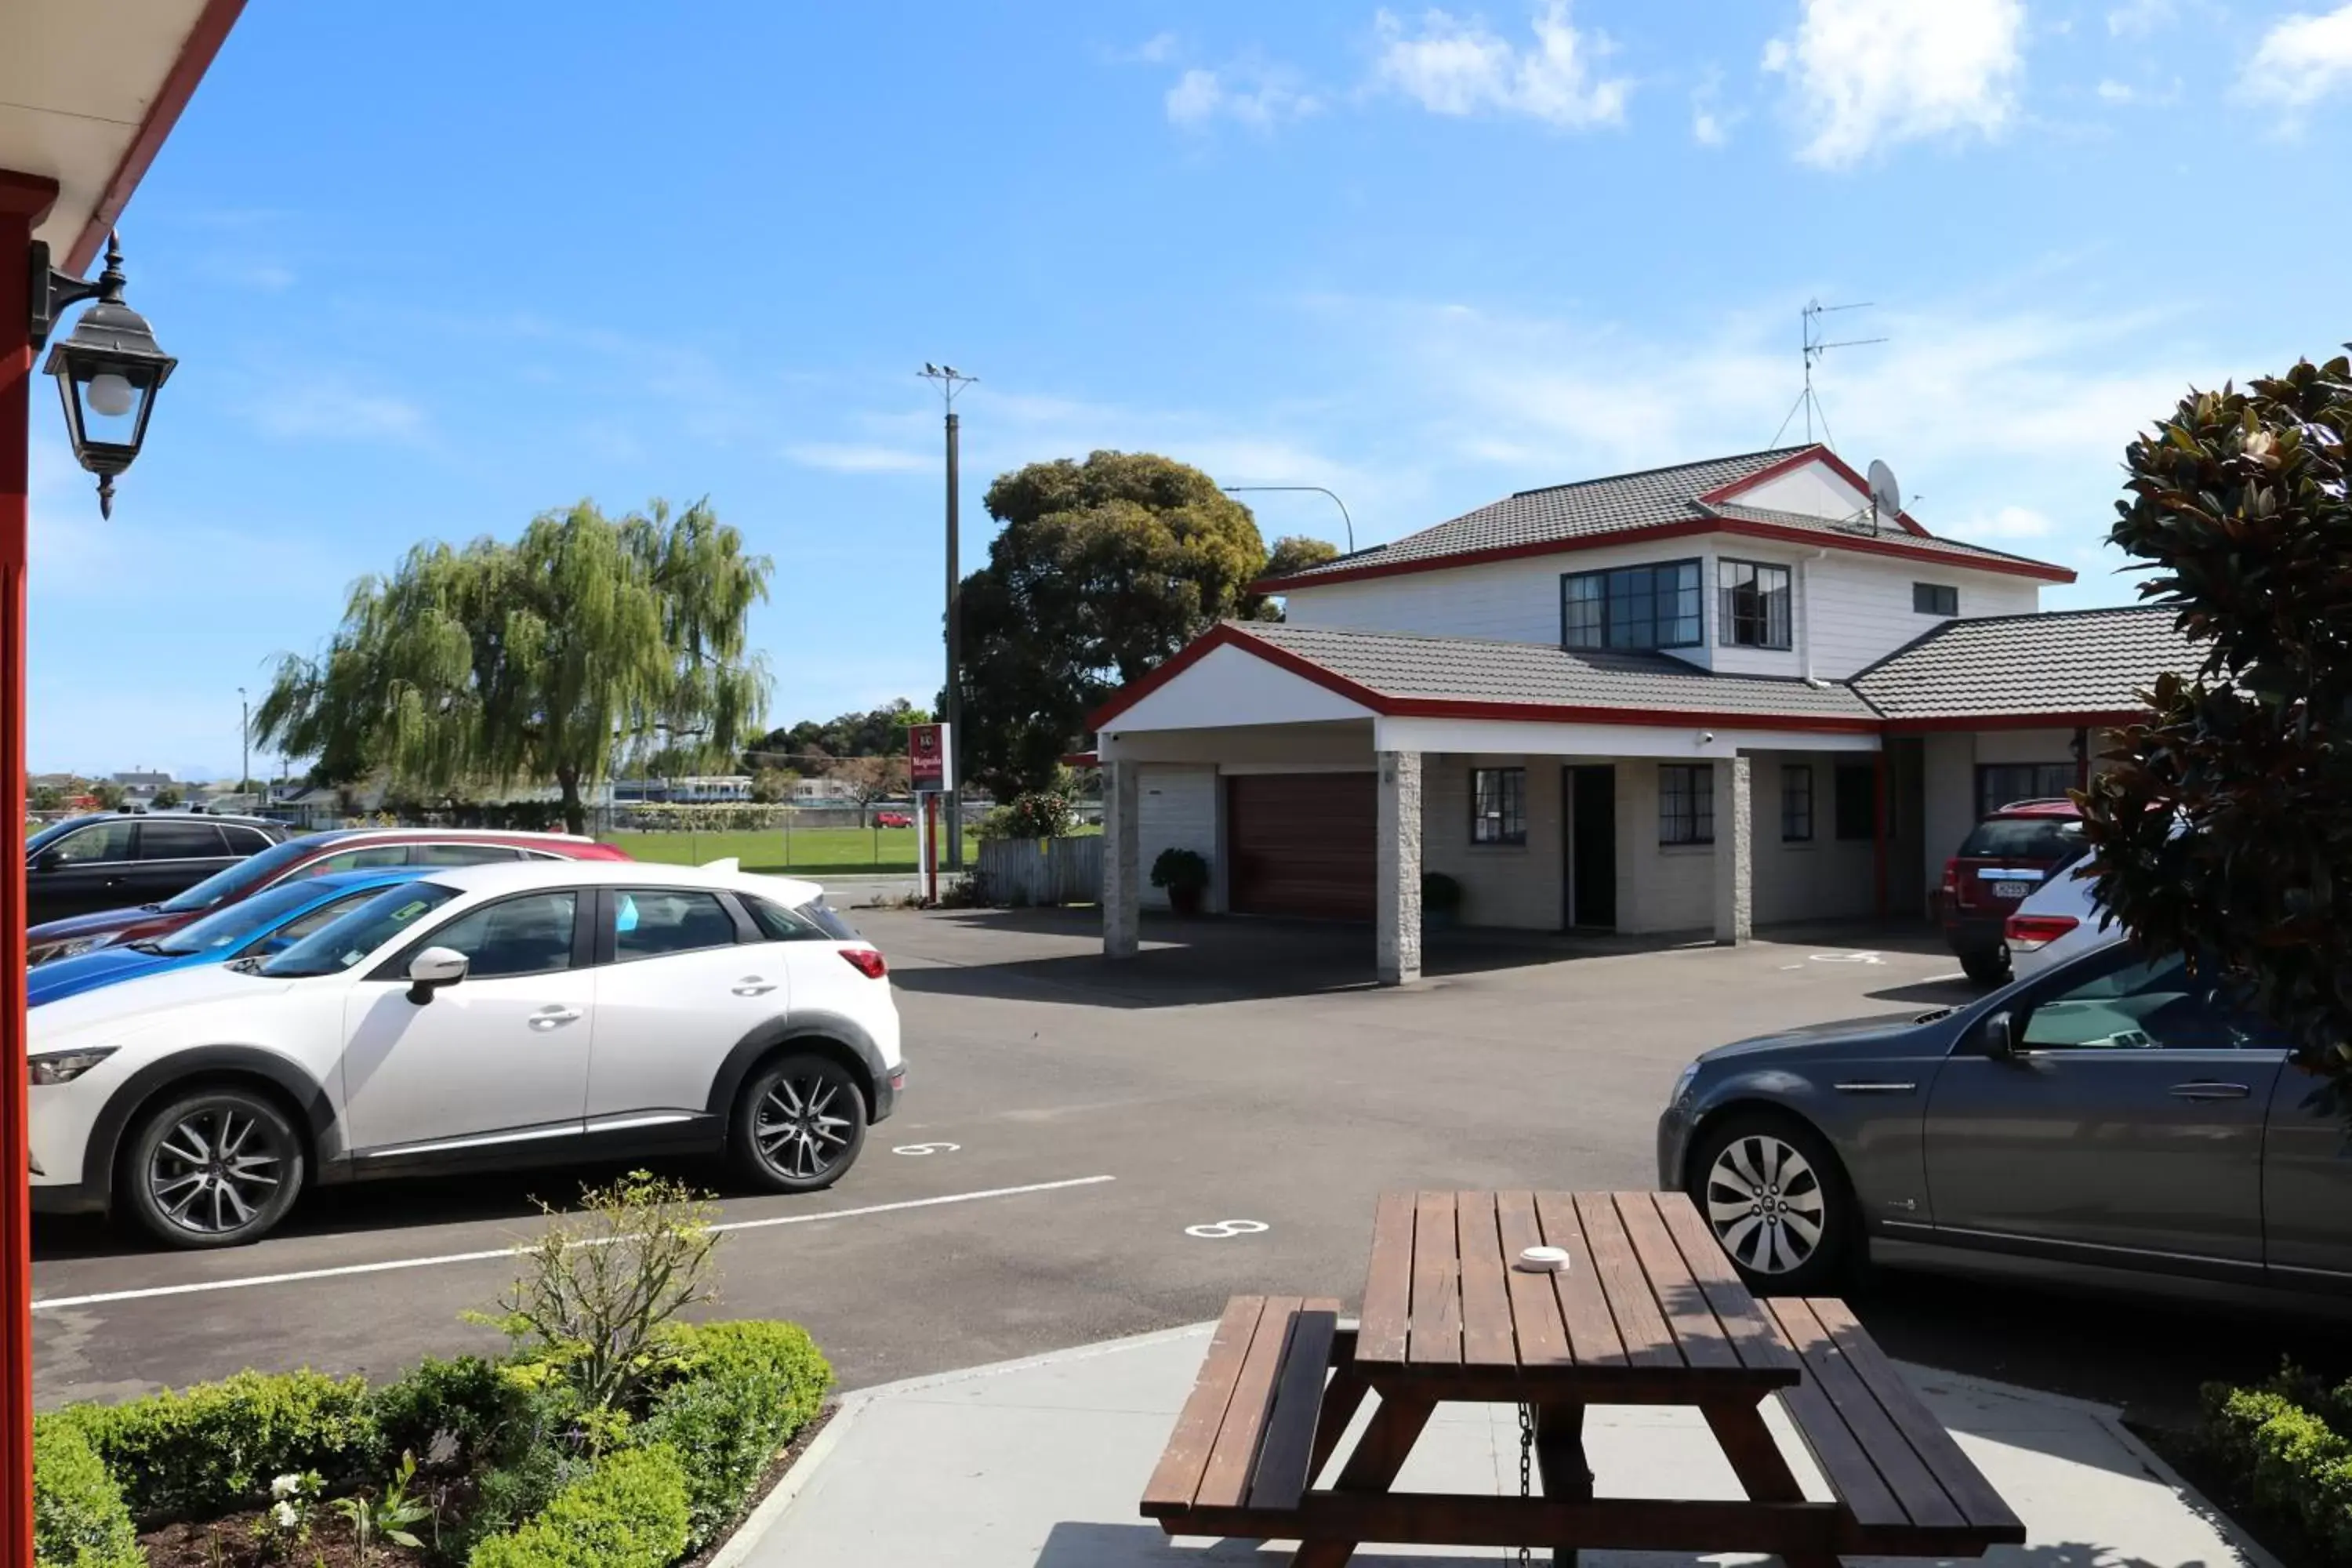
pixel 2223 827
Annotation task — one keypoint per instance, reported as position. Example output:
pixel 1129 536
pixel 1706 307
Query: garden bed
pixel 2277 1458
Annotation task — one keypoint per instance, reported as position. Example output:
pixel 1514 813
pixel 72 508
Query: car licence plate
pixel 2012 889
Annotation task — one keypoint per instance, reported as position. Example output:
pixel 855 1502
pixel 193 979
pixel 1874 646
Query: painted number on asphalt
pixel 919 1150
pixel 1219 1230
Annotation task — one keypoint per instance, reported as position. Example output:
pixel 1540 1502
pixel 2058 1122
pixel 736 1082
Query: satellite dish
pixel 1885 495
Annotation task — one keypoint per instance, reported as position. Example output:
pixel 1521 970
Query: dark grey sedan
pixel 2115 1111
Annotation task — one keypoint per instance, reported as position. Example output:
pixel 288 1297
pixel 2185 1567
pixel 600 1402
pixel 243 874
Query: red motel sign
pixel 927 756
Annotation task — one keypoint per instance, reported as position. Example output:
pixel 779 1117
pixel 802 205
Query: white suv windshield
pixel 332 949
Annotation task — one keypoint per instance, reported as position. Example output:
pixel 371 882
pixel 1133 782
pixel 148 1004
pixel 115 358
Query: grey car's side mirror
pixel 47 861
pixel 1997 1036
pixel 434 968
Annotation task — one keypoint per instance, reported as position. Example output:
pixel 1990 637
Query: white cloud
pixel 1257 95
pixel 307 408
pixel 2302 59
pixel 850 457
pixel 1706 130
pixel 2137 18
pixel 1156 50
pixel 2113 91
pixel 1867 74
pixel 1453 66
pixel 1710 127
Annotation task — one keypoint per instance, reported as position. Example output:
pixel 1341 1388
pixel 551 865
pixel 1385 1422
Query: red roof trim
pixel 2104 719
pixel 1790 464
pixel 197 52
pixel 1226 635
pixel 2012 566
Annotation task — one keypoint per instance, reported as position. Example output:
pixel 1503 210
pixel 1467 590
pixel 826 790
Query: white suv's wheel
pixel 211 1167
pixel 799 1123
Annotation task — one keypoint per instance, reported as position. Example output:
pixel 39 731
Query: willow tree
pixel 498 664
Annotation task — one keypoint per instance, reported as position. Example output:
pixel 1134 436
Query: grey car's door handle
pixel 553 1017
pixel 752 985
pixel 2206 1089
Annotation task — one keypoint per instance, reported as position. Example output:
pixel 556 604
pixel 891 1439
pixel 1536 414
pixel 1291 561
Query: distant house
pixel 142 786
pixel 822 792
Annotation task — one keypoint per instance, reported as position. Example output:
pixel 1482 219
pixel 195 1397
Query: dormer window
pixel 1755 611
pixel 1632 608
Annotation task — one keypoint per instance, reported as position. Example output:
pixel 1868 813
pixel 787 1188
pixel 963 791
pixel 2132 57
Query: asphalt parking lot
pixel 1087 1150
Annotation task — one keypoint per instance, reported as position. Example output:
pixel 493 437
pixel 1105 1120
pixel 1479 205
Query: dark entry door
pixel 1302 844
pixel 1592 846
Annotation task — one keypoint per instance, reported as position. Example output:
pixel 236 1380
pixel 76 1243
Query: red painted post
pixel 931 847
pixel 23 200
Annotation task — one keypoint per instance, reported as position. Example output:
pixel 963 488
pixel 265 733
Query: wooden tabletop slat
pixel 1281 1474
pixel 1960 1478
pixel 1753 1333
pixel 1640 1323
pixel 1583 1299
pixel 1702 1339
pixel 1381 1331
pixel 1224 1481
pixel 1487 1336
pixel 1535 1305
pixel 1177 1479
pixel 1436 1337
pixel 1923 1497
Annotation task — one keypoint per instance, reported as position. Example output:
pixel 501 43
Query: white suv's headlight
pixel 1683 1081
pixel 64 1066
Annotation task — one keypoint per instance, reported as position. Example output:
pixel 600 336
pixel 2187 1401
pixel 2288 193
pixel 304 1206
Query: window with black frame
pixel 1686 802
pixel 1499 806
pixel 1935 599
pixel 1632 608
pixel 1796 802
pixel 2002 783
pixel 1755 611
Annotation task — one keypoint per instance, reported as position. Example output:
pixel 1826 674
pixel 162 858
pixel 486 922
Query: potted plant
pixel 1440 899
pixel 1185 874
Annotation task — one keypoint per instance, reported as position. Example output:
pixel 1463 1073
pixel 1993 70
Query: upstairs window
pixel 1754 609
pixel 1935 599
pixel 1632 608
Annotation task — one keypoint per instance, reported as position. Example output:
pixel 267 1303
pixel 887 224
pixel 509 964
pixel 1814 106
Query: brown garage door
pixel 1302 844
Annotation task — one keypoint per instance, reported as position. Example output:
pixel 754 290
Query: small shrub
pixel 1180 869
pixel 2295 1464
pixel 79 1520
pixel 469 1399
pixel 204 1450
pixel 509 1495
pixel 747 1388
pixel 629 1512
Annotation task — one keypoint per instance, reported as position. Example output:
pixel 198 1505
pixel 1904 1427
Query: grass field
pixel 811 850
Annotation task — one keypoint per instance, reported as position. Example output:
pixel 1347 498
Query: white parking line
pixel 102 1297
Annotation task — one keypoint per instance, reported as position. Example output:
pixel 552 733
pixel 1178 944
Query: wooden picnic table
pixel 1649 1312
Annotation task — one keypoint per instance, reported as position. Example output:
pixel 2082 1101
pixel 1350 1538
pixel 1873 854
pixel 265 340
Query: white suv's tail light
pixel 2027 932
pixel 867 962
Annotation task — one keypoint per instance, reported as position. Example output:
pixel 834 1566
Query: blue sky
pixel 433 269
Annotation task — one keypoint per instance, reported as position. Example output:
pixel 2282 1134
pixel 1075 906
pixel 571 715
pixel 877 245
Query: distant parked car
pixel 102 861
pixel 353 849
pixel 893 820
pixel 2003 861
pixel 524 1015
pixel 269 923
pixel 2060 919
pixel 2114 1112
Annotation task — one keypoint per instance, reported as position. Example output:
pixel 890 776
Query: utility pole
pixel 244 741
pixel 950 381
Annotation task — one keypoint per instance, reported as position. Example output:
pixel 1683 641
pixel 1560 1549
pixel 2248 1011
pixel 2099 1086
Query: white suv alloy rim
pixel 1765 1203
pixel 215 1171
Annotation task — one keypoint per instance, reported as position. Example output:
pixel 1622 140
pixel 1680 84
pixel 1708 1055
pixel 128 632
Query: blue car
pixel 255 927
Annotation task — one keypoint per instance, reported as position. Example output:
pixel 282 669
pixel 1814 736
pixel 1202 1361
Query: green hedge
pixel 215 1447
pixel 629 1512
pixel 79 1520
pixel 747 1389
pixel 2277 1442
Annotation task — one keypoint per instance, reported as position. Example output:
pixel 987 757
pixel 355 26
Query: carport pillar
pixel 1397 891
pixel 1734 883
pixel 1123 852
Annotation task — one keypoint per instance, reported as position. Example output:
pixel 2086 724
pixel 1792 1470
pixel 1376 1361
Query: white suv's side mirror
pixel 434 968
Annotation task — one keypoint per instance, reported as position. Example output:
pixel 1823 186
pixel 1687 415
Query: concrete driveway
pixel 1088 1149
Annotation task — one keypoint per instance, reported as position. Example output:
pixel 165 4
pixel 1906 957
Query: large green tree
pixel 2223 827
pixel 529 663
pixel 1104 569
pixel 877 732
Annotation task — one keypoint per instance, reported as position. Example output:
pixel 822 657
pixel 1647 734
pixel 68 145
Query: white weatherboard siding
pixel 1517 885
pixel 1231 686
pixel 1176 810
pixel 1860 609
pixel 1813 490
pixel 1502 601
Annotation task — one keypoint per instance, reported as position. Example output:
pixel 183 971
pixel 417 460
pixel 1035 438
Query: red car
pixel 2004 860
pixel 893 820
pixel 349 849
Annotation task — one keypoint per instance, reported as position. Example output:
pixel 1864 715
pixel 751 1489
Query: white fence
pixel 1021 871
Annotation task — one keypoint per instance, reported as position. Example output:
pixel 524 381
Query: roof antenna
pixel 1816 345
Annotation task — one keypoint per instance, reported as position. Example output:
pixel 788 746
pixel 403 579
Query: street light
pixel 1318 489
pixel 107 372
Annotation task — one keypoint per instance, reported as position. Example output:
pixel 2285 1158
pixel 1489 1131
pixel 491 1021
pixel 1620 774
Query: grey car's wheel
pixel 800 1122
pixel 1772 1192
pixel 211 1167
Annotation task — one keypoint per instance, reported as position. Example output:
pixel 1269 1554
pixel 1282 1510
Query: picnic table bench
pixel 1650 1312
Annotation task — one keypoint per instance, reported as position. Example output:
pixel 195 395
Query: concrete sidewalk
pixel 1039 1464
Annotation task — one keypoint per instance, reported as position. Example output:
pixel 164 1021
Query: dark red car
pixel 2004 860
pixel 348 849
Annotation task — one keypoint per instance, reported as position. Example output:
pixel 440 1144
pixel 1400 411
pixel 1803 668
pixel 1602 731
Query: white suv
pixel 528 1013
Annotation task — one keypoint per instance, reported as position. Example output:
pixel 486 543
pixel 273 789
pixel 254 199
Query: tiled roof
pixel 1565 512
pixel 1466 669
pixel 1734 512
pixel 2060 661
